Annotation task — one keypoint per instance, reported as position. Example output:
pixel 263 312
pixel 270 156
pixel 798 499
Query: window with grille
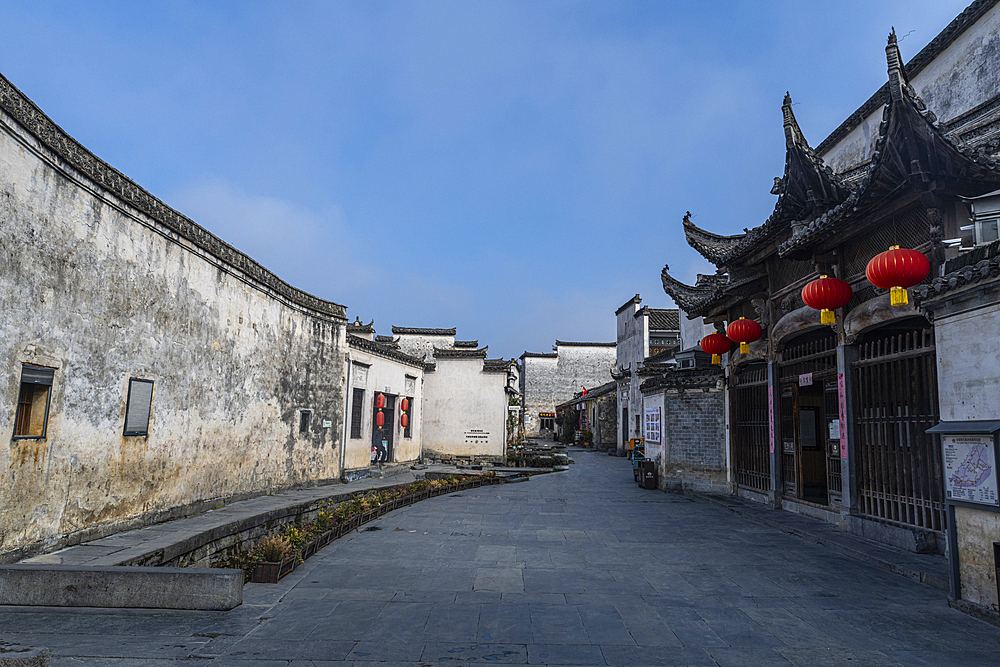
pixel 138 406
pixel 33 401
pixel 357 406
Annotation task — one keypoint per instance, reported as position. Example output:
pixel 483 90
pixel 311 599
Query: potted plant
pixel 274 559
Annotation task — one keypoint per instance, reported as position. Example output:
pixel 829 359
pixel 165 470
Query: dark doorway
pixel 382 438
pixel 809 419
pixel 624 428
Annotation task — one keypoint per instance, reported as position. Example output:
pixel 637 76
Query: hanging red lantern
pixel 380 419
pixel 895 270
pixel 826 294
pixel 379 401
pixel 744 332
pixel 404 405
pixel 404 419
pixel 716 345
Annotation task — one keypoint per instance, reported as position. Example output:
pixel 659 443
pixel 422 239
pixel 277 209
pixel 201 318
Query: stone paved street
pixel 572 568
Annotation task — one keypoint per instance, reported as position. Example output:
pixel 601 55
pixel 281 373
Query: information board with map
pixel 970 471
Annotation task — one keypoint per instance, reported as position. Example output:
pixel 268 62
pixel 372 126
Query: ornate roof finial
pixel 793 134
pixel 897 75
pixel 687 218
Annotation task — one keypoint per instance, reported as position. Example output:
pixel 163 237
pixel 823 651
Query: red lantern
pixel 744 332
pixel 716 345
pixel 895 270
pixel 379 401
pixel 404 420
pixel 826 294
pixel 380 419
pixel 404 405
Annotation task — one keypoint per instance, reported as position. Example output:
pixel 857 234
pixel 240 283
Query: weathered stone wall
pixel 549 381
pixel 101 292
pixel 969 388
pixel 464 409
pixel 964 76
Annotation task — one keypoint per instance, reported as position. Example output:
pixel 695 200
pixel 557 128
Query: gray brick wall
pixel 694 435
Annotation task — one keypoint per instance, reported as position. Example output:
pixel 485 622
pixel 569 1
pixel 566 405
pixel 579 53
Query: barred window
pixel 357 407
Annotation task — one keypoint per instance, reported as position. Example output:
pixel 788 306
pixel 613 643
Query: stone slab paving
pixel 574 568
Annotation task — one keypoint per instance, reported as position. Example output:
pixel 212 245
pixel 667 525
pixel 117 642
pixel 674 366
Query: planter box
pixel 270 573
pixel 309 549
pixel 325 538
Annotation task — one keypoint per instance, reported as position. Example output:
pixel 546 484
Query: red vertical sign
pixel 770 415
pixel 842 396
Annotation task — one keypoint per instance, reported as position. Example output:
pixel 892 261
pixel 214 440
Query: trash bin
pixel 649 476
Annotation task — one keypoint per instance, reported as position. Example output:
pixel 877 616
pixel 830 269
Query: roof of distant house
pixel 359 343
pixel 424 332
pixel 496 365
pixel 565 343
pixel 543 355
pixel 452 353
pixel 357 327
pixel 467 343
pixel 664 319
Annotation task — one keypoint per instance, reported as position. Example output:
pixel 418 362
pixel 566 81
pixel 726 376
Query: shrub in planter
pixel 273 558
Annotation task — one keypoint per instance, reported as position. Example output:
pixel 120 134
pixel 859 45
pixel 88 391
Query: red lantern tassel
pixel 897 296
pixel 744 348
pixel 716 359
pixel 826 316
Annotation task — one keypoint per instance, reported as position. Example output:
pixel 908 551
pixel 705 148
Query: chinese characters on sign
pixel 970 471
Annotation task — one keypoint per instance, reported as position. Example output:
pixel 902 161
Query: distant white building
pixel 552 378
pixel 643 333
pixel 381 380
pixel 465 398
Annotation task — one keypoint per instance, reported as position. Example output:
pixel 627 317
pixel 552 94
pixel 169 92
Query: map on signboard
pixel 970 472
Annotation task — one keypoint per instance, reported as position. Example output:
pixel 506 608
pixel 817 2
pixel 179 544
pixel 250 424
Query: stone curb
pixel 929 578
pixel 211 589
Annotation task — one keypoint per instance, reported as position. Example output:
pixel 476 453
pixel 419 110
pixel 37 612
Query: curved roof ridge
pixel 691 297
pixel 912 132
pixel 711 246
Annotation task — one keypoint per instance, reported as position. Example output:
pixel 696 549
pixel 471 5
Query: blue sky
pixel 514 169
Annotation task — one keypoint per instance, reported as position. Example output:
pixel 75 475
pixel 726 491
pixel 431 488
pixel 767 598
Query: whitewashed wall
pixel 464 409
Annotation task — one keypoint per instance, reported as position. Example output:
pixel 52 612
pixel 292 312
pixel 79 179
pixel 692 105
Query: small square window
pixel 138 406
pixel 304 417
pixel 32 417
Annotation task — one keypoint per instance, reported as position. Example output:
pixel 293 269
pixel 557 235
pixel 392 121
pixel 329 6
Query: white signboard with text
pixel 654 442
pixel 970 468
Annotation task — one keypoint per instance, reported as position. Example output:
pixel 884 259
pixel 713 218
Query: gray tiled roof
pixel 664 319
pixel 467 343
pixel 564 343
pixel 452 353
pixel 359 343
pixel 424 332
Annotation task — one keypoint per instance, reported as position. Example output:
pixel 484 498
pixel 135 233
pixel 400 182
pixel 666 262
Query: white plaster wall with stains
pixel 964 76
pixel 388 376
pixel 464 409
pixel 101 293
pixel 968 371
